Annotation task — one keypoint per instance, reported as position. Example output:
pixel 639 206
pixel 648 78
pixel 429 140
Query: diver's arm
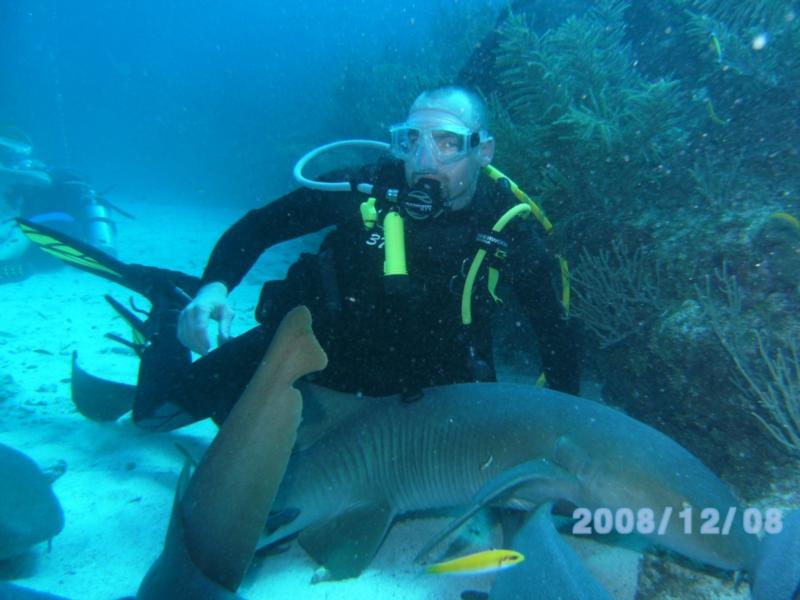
pixel 301 212
pixel 298 213
pixel 532 272
pixel 35 178
pixel 293 215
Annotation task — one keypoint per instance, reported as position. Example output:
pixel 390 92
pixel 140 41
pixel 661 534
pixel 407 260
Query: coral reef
pixel 576 120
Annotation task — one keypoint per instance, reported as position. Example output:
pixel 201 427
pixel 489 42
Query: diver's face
pixel 458 178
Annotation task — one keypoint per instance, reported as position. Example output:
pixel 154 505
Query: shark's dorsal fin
pixel 346 544
pixel 548 479
pixel 324 409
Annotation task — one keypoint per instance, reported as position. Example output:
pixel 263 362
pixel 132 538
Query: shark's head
pixel 668 488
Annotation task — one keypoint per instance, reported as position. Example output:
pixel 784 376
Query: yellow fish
pixel 486 561
pixel 784 216
pixel 716 46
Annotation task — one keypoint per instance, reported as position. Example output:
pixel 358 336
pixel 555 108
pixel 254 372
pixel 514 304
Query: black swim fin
pixel 138 327
pixel 157 285
pixel 99 399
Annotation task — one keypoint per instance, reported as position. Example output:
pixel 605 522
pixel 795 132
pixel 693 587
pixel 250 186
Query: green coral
pixel 580 123
pixel 760 55
pixel 766 13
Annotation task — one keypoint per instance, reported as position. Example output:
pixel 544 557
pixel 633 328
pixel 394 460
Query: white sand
pixel 118 486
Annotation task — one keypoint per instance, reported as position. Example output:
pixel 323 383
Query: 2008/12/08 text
pixel 706 521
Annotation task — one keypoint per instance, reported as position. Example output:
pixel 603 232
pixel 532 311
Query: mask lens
pixel 446 145
pixel 404 141
pixel 449 145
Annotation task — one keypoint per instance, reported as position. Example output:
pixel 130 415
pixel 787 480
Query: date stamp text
pixel 689 521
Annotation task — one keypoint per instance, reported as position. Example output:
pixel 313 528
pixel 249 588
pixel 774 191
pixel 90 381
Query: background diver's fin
pixel 99 399
pixel 157 285
pixel 74 252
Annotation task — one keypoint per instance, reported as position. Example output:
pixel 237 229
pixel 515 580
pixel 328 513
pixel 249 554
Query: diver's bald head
pixel 462 105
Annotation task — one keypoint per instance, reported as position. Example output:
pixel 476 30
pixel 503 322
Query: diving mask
pixel 446 143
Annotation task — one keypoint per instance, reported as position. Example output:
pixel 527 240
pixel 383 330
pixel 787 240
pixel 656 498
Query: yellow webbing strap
pixel 565 285
pixel 496 175
pixel 466 295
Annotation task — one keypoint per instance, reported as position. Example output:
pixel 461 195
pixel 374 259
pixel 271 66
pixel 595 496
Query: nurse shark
pixel 362 462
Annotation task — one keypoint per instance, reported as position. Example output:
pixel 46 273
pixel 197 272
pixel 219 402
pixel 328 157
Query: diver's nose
pixel 423 158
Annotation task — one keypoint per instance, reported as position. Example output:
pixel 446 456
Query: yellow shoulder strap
pixel 496 175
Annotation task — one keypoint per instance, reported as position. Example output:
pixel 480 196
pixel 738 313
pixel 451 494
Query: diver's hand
pixel 211 302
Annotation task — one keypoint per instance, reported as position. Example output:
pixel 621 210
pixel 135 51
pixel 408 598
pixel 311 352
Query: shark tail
pixel 294 351
pixel 220 512
pixel 227 501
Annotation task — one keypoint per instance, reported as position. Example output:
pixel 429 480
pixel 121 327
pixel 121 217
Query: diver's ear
pixel 486 151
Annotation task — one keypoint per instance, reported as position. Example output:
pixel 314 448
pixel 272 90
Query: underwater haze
pixel 647 152
pixel 187 97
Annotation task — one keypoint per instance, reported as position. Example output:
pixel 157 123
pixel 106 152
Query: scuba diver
pixel 402 290
pixel 59 198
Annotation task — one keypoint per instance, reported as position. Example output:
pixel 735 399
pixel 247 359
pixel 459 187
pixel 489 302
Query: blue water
pixel 186 96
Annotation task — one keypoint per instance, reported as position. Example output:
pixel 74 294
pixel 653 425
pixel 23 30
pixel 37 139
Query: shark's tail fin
pixel 228 500
pixel 777 571
pixel 221 511
pixel 294 350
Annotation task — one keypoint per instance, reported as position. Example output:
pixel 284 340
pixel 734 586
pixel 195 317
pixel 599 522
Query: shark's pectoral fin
pixel 346 544
pixel 553 569
pixel 281 518
pixel 539 479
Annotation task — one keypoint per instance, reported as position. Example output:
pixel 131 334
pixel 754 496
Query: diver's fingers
pixel 199 332
pixel 193 328
pixel 183 329
pixel 225 319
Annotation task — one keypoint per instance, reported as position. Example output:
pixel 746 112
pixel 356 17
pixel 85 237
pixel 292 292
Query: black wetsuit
pixel 378 342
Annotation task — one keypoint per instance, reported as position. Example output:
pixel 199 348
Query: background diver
pixel 383 335
pixel 59 198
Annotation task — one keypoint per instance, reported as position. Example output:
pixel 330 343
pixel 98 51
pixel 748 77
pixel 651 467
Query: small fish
pixel 486 561
pixel 716 46
pixel 712 114
pixel 784 216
